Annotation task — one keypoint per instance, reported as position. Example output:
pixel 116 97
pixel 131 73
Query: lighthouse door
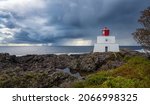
pixel 106 49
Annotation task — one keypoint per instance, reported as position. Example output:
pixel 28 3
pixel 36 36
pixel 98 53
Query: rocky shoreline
pixel 42 70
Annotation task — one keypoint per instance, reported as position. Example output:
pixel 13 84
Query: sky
pixel 68 22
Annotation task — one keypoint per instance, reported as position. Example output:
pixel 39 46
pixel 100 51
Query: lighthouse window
pixel 106 40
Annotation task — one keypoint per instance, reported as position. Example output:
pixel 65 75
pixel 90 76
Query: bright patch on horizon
pixel 79 42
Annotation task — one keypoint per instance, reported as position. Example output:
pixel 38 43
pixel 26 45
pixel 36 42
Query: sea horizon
pixel 41 50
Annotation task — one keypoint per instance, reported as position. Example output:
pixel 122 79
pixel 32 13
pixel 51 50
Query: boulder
pixel 90 62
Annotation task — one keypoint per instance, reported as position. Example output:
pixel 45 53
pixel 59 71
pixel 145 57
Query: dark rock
pixel 111 65
pixel 19 67
pixel 90 62
pixel 62 61
pixel 130 53
pixel 8 58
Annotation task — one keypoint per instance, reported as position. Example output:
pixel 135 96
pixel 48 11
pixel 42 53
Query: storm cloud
pixel 60 22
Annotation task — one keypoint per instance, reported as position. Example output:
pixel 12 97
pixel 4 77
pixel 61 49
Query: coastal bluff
pixel 48 70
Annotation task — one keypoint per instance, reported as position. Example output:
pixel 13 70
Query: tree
pixel 142 35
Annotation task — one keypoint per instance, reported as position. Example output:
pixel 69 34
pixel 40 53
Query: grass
pixel 134 74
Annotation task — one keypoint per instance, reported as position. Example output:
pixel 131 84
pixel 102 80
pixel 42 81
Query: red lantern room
pixel 105 31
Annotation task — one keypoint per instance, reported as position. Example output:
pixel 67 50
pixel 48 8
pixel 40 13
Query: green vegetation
pixel 26 79
pixel 134 74
pixel 31 79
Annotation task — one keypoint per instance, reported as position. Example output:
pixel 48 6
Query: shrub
pixel 134 74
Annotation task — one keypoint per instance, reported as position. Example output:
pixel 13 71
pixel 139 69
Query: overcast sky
pixel 68 22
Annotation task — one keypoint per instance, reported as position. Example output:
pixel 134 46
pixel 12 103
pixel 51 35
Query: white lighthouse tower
pixel 106 43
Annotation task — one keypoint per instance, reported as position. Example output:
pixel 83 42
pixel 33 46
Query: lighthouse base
pixel 99 47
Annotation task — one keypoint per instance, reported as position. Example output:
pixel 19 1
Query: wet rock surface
pixel 42 70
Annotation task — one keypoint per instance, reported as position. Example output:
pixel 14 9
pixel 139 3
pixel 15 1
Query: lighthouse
pixel 106 43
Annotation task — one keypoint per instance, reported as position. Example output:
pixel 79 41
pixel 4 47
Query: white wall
pixel 106 39
pixel 111 47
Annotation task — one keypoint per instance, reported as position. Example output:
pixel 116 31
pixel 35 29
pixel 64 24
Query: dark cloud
pixel 6 19
pixel 73 19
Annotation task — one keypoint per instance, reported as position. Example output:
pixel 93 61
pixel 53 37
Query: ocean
pixel 29 50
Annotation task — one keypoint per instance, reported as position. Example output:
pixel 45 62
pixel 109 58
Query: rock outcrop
pixel 11 66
